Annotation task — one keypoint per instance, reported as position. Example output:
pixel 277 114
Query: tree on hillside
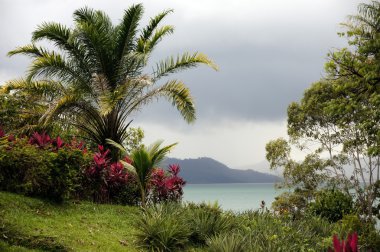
pixel 96 75
pixel 337 122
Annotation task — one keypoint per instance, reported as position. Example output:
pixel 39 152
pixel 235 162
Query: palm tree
pixel 144 160
pixel 96 74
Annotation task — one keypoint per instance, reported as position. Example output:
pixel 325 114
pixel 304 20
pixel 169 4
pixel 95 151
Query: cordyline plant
pixel 96 75
pixel 348 245
pixel 105 174
pixel 166 186
pixel 155 185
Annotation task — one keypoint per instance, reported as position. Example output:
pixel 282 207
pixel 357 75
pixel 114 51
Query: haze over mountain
pixel 208 171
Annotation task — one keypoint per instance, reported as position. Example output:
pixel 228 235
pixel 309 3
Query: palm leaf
pixel 171 65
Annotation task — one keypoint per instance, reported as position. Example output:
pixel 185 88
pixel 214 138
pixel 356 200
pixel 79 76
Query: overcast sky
pixel 268 52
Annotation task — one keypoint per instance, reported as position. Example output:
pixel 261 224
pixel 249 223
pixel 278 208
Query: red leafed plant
pixel 58 143
pixel 104 175
pixel 41 140
pixel 348 245
pixel 166 186
pixel 2 132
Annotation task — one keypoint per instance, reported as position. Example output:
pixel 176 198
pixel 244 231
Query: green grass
pixel 28 223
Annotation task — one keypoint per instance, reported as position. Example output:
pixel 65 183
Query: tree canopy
pixel 96 76
pixel 337 122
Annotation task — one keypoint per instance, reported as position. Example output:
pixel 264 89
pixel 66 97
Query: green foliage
pixel 133 140
pixel 266 232
pixel 206 223
pixel 91 227
pixel 369 236
pixel 336 122
pixel 289 203
pixel 332 205
pixel 162 228
pixel 144 160
pixel 127 194
pixel 27 169
pixel 234 242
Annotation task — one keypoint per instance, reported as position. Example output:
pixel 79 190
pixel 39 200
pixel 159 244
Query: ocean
pixel 235 197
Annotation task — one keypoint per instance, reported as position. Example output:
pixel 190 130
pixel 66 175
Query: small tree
pixel 144 160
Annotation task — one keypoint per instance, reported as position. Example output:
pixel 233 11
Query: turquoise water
pixel 236 197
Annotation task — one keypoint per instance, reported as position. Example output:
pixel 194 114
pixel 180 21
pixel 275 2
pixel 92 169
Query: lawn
pixel 28 224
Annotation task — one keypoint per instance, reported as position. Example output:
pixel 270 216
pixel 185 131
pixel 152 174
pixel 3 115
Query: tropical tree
pixel 96 75
pixel 144 160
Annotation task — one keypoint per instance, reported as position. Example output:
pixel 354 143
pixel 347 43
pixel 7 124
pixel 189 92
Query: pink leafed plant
pixel 41 140
pixel 348 245
pixel 166 186
pixel 2 132
pixel 58 143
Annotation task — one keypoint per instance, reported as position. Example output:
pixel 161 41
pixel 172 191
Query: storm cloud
pixel 268 52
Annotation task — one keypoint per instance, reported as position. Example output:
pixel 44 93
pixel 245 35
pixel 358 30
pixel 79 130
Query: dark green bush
pixel 332 204
pixel 126 194
pixel 55 175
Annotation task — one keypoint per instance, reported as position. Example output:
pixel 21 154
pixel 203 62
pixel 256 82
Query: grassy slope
pixel 32 223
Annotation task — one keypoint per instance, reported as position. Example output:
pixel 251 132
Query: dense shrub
pixel 369 236
pixel 234 242
pixel 163 228
pixel 332 204
pixel 40 166
pixel 111 181
pixel 206 223
pixel 166 186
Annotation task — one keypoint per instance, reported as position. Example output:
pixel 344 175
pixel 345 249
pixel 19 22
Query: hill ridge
pixel 205 170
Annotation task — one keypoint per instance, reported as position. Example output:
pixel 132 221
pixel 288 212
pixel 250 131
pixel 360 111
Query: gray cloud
pixel 268 51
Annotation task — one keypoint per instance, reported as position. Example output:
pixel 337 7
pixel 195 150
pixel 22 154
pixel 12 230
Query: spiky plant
pixel 144 160
pixel 96 74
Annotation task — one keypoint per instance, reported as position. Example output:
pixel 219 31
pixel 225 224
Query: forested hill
pixel 207 171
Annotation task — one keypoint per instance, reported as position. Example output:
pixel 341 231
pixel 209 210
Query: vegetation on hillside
pixel 65 139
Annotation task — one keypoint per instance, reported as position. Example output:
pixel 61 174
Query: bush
pixel 332 205
pixel 162 228
pixel 165 187
pixel 234 242
pixel 206 221
pixel 369 236
pixel 41 167
pixel 110 182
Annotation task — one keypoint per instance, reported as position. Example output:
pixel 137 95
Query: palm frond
pixel 142 164
pixel 176 92
pixel 67 102
pixel 171 65
pixel 53 65
pixel 42 87
pixel 127 30
pixel 29 50
pixel 95 31
pixel 117 145
pixel 153 23
pixel 158 154
pixel 65 39
pixel 150 44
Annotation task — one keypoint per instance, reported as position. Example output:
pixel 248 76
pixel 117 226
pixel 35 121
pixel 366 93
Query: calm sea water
pixel 236 197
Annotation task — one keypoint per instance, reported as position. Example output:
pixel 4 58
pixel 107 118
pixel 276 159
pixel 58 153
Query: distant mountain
pixel 208 171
